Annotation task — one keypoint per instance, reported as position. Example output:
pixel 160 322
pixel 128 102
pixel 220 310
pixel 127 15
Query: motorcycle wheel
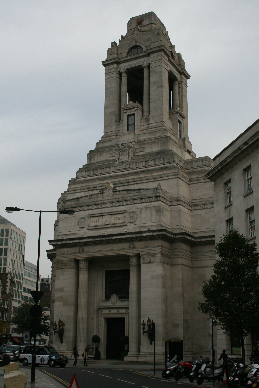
pixel 177 376
pixel 200 380
pixel 165 375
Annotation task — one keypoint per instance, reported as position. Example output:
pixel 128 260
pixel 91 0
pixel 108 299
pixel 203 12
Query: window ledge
pixel 251 238
pixel 250 192
pixel 230 204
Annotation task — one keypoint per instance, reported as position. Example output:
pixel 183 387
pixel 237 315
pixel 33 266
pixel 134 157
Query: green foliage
pixel 232 294
pixel 22 320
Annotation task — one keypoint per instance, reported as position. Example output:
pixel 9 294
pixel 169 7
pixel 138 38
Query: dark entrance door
pixel 115 330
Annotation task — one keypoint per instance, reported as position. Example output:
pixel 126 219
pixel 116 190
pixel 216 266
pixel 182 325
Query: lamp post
pixel 151 331
pixel 36 309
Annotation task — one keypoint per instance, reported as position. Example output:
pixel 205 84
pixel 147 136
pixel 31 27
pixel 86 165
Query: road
pixel 110 378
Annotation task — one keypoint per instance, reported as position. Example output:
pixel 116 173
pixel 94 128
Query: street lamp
pixel 59 328
pixel 36 309
pixel 151 331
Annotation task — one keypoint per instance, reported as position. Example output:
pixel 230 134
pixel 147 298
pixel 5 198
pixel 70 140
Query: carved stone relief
pixel 83 265
pixel 134 260
pixel 114 299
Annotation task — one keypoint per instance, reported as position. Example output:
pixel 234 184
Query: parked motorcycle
pixel 237 376
pixel 171 367
pixel 184 370
pixel 206 372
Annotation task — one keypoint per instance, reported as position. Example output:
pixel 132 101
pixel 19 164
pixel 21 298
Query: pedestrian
pixel 85 355
pixel 75 355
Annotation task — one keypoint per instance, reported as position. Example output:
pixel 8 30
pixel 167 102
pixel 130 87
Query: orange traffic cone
pixel 225 377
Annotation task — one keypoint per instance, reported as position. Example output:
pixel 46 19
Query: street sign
pixel 74 383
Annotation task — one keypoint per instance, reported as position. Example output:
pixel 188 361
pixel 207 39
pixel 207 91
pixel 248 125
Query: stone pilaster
pixel 146 92
pixel 117 98
pixel 134 322
pixel 82 305
pixel 123 91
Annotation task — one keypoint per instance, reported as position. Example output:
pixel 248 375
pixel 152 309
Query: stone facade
pixel 236 187
pixel 142 204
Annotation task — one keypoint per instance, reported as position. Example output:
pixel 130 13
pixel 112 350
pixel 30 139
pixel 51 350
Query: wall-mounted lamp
pixel 59 328
pixel 151 331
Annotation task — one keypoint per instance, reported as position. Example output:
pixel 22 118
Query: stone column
pixel 123 91
pixel 82 305
pixel 134 322
pixel 175 96
pixel 146 91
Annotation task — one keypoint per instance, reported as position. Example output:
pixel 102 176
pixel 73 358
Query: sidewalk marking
pixel 56 378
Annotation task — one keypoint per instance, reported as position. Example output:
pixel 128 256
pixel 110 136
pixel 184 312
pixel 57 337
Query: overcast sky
pixel 52 88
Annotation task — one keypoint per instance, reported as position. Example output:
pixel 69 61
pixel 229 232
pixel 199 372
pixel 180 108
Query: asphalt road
pixel 109 378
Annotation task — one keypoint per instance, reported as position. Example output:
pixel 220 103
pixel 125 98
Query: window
pixel 228 193
pixel 229 225
pixel 131 123
pixel 179 129
pixel 135 50
pixel 117 282
pixel 248 180
pixel 251 222
pixel 235 344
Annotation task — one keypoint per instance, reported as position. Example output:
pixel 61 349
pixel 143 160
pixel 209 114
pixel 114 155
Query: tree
pixel 232 294
pixel 22 320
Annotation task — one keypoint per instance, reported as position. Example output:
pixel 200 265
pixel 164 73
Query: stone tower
pixel 141 241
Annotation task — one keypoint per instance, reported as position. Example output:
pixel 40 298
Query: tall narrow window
pixel 228 193
pixel 251 222
pixel 131 123
pixel 117 282
pixel 229 225
pixel 248 180
pixel 180 129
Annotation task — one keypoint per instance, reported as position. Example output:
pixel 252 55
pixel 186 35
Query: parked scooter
pixel 171 367
pixel 206 372
pixel 196 366
pixel 252 377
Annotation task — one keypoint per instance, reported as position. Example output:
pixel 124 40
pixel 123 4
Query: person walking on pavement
pixel 75 355
pixel 85 355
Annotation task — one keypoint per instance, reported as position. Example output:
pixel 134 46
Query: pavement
pixel 43 380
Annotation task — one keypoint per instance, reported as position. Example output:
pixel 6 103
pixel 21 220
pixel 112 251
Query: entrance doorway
pixel 115 330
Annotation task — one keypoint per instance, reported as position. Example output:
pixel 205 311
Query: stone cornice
pixel 112 197
pixel 234 157
pixel 159 234
pixel 118 165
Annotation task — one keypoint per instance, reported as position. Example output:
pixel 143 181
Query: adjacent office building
pixel 236 193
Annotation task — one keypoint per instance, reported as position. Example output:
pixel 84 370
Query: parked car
pixel 13 351
pixel 45 355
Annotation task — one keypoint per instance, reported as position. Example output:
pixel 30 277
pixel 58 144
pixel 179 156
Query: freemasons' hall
pixel 141 240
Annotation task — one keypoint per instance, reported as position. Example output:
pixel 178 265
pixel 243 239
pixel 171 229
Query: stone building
pixel 236 187
pixel 6 305
pixel 141 241
pixel 12 252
